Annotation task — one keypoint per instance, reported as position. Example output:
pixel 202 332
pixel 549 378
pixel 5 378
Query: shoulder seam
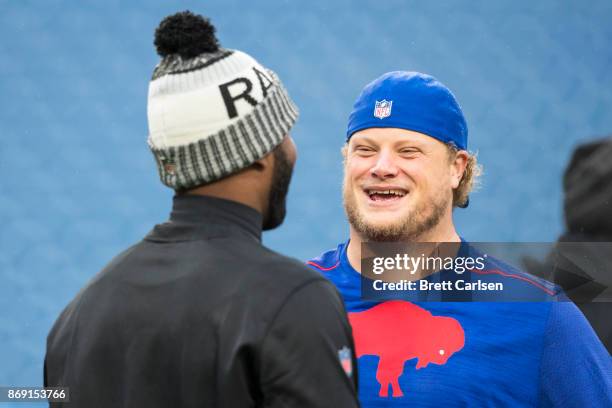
pixel 322 268
pixel 510 275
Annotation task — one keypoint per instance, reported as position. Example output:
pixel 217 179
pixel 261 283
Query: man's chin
pixel 274 218
pixel 381 231
pixel 383 221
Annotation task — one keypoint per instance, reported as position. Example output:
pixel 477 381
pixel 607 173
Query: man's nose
pixel 385 166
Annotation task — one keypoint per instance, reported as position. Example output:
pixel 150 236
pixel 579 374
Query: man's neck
pixel 353 252
pixel 243 188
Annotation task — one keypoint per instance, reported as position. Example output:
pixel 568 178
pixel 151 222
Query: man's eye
pixel 364 149
pixel 409 151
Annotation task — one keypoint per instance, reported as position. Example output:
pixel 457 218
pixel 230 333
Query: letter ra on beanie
pixel 211 111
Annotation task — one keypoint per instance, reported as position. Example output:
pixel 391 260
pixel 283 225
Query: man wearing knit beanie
pixel 199 313
pixel 406 167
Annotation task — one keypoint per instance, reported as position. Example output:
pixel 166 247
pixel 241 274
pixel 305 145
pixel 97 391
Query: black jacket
pixel 200 314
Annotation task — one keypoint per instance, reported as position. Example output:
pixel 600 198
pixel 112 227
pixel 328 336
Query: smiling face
pixel 398 184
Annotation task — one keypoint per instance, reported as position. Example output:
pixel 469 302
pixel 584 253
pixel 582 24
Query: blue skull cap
pixel 412 101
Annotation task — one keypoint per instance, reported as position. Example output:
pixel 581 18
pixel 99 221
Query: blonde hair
pixel 470 180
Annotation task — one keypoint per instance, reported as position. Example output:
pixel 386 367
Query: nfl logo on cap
pixel 382 109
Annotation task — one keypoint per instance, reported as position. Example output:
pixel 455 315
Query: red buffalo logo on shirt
pixel 398 331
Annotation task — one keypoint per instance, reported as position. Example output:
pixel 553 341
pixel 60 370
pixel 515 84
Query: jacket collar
pixel 196 217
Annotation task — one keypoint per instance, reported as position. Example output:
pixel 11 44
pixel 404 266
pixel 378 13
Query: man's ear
pixel 344 152
pixel 458 165
pixel 265 163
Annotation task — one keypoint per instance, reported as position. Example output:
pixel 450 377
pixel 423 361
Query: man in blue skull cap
pixel 406 166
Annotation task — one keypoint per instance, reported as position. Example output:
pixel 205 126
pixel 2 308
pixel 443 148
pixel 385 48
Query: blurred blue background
pixel 78 183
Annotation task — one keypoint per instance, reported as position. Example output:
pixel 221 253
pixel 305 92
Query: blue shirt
pixel 476 354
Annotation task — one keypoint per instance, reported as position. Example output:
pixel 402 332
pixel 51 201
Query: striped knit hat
pixel 212 111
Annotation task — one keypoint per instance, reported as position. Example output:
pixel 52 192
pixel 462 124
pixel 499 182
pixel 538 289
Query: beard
pixel 409 227
pixel 277 199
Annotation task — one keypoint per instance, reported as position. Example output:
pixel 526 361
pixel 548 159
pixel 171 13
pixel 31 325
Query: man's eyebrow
pixel 364 139
pixel 408 143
